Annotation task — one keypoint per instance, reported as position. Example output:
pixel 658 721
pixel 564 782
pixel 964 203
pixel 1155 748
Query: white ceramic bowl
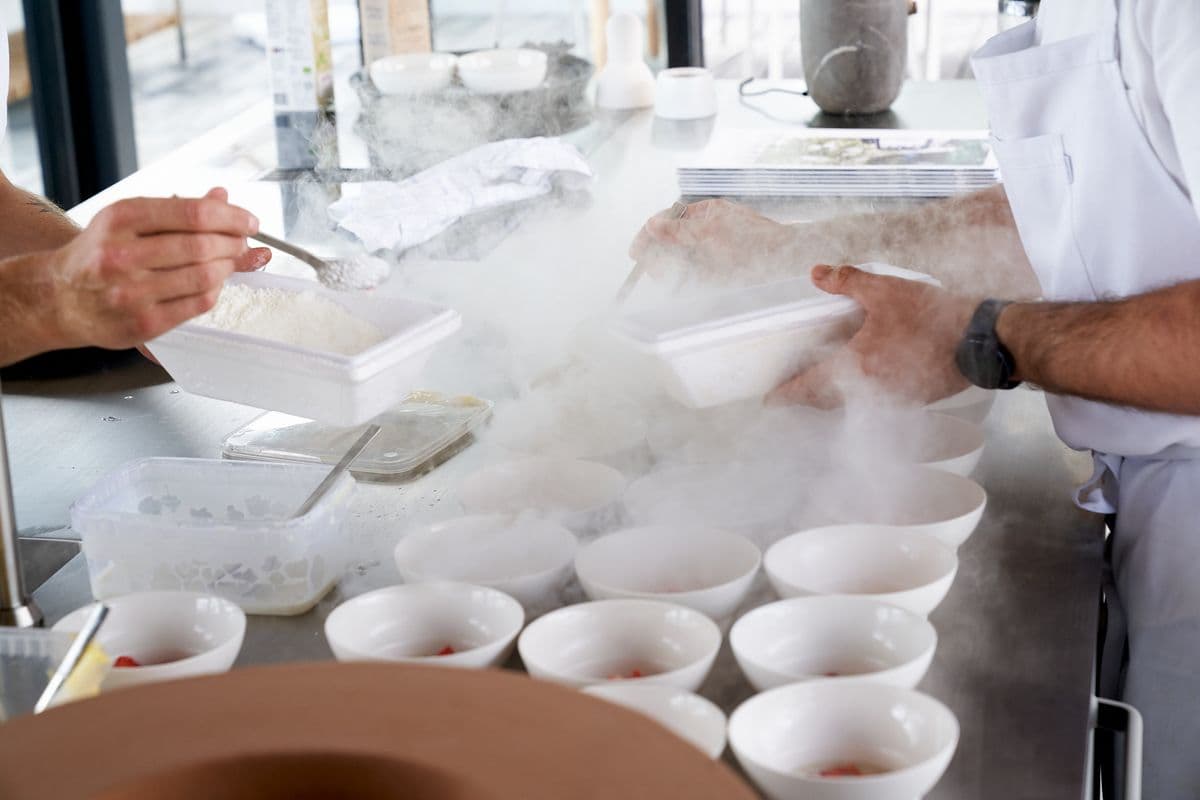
pixel 848 639
pixel 174 634
pixel 415 622
pixel 686 714
pixel 525 557
pixel 951 444
pixel 413 73
pixel 785 737
pixel 708 570
pixel 575 492
pixel 643 640
pixel 887 564
pixel 971 404
pixel 502 71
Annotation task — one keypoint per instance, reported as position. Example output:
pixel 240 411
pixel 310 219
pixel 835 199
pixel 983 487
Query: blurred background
pixel 194 64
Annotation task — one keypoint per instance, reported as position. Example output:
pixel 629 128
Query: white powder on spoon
pixel 304 319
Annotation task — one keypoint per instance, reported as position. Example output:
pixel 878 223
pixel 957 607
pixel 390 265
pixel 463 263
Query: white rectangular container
pixel 222 527
pixel 329 387
pixel 743 343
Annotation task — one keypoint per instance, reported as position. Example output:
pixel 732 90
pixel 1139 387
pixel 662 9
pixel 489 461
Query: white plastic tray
pixel 332 388
pixel 744 343
pixel 214 526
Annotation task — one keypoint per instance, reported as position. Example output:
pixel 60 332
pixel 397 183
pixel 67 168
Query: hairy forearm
pixel 970 243
pixel 1139 351
pixel 28 324
pixel 29 223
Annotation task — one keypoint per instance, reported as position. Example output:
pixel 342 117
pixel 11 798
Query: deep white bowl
pixel 971 404
pixel 596 642
pixel 686 714
pixel 175 634
pixel 413 73
pixel 502 71
pixel 848 639
pixel 705 569
pixel 951 444
pixel 783 739
pixel 573 491
pixel 415 622
pixel 887 564
pixel 526 557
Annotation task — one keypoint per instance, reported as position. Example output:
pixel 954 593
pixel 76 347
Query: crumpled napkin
pixel 386 215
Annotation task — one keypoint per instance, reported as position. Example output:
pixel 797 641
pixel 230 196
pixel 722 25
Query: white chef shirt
pixel 1160 62
pixel 3 80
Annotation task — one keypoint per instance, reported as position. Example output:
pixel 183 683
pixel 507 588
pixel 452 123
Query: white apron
pixel 1100 217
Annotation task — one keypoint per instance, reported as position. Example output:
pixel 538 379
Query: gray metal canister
pixel 854 53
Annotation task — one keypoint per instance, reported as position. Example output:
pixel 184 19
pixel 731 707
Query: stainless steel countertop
pixel 1017 633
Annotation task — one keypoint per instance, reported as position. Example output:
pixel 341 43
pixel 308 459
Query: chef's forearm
pixel 1140 351
pixel 28 313
pixel 969 242
pixel 29 223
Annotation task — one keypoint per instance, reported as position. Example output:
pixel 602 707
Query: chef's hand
pixel 144 266
pixel 715 240
pixel 905 346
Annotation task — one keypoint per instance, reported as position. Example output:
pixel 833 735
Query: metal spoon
pixel 336 273
pixel 74 655
pixel 354 452
pixel 676 211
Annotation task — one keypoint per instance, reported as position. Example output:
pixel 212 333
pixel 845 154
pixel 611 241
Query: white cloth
pixel 1100 214
pixel 1160 64
pixel 412 211
pixel 3 80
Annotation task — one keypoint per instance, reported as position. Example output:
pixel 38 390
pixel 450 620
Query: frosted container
pixel 222 527
pixel 325 386
pixel 744 343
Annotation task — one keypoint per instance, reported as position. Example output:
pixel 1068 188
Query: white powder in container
pixel 304 319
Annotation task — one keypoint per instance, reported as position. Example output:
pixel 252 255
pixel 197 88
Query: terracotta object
pixel 854 53
pixel 361 731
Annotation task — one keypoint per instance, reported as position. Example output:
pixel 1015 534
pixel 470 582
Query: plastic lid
pixel 795 302
pixel 419 433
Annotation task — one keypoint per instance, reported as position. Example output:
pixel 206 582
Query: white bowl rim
pixel 971 430
pixel 855 688
pixel 738 631
pixel 434 61
pixel 665 690
pixel 468 60
pixel 710 630
pixel 427 586
pixel 67 625
pixel 672 597
pixel 414 576
pixel 888 532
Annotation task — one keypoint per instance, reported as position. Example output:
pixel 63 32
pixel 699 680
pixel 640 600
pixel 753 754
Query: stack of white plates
pixel 821 162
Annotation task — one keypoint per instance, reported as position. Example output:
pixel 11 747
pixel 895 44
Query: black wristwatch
pixel 981 356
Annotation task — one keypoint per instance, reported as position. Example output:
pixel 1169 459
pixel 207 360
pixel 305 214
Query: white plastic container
pixel 744 343
pixel 173 524
pixel 329 387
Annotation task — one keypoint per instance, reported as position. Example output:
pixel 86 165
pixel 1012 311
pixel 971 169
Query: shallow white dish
pixel 502 71
pixel 952 444
pixel 413 73
pixel 329 387
pixel 525 557
pixel 572 491
pixel 847 639
pixel 705 569
pixel 415 622
pixel 175 634
pixel 641 640
pixel 971 404
pixel 743 343
pixel 908 569
pixel 225 527
pixel 783 738
pixel 686 714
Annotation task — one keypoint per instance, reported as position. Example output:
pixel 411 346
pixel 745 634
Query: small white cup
pixel 685 93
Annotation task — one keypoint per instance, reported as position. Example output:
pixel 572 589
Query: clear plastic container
pixel 742 344
pixel 417 435
pixel 215 526
pixel 336 389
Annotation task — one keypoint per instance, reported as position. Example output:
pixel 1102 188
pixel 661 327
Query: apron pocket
pixel 1037 177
